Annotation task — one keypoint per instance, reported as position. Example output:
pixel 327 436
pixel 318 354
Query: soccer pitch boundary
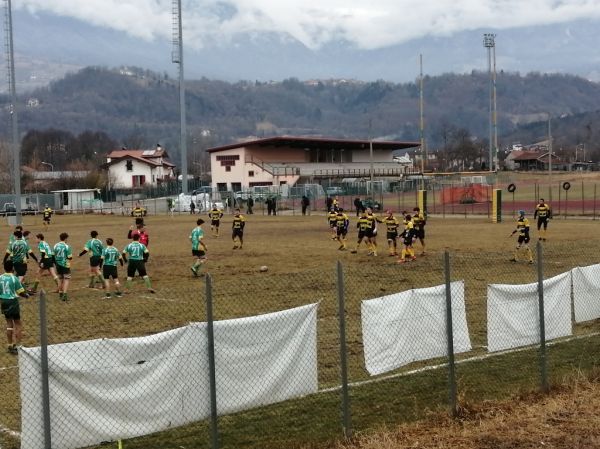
pixel 15 434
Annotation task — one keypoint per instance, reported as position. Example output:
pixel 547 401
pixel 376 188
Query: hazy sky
pixel 368 24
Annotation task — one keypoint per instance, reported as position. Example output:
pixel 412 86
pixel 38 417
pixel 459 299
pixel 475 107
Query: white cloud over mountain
pixel 367 25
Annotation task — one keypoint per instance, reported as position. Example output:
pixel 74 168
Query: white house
pixel 130 169
pixel 277 161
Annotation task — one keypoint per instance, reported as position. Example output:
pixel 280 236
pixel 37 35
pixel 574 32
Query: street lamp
pixel 489 43
pixel 49 165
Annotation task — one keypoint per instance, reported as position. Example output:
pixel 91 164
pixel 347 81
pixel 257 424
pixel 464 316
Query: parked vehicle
pixel 8 209
pixel 334 190
pixel 376 206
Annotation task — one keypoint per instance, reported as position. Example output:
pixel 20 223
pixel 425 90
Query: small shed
pixel 78 200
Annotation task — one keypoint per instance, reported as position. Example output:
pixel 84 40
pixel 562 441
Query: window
pixel 129 165
pixel 222 186
pixel 228 168
pixel 251 174
pixel 138 180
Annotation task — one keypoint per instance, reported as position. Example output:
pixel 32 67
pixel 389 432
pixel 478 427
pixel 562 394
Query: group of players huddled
pixel 413 229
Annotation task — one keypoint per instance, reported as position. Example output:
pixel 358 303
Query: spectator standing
pixel 305 202
pixel 358 206
pixel 192 207
pixel 250 205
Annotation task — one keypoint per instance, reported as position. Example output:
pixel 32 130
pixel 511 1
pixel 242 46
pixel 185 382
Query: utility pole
pixel 16 148
pixel 421 121
pixel 177 58
pixel 488 42
pixel 550 156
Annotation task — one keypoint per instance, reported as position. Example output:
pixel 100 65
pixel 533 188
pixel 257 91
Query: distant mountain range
pixel 48 46
pixel 138 107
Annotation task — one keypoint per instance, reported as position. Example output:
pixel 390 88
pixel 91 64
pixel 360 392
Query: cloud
pixel 366 24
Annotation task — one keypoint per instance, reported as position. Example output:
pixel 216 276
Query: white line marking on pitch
pixel 445 365
pixel 6 368
pixel 158 299
pixel 12 433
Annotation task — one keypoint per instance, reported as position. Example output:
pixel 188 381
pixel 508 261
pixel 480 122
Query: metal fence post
pixel 450 338
pixel 214 431
pixel 346 424
pixel 45 370
pixel 543 361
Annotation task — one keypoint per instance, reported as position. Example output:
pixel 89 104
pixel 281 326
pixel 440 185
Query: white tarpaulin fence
pixel 586 293
pixel 513 313
pixel 410 326
pixel 103 390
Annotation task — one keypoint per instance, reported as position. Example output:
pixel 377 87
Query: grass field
pixel 301 260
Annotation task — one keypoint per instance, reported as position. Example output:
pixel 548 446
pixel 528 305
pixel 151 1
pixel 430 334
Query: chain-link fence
pixel 277 360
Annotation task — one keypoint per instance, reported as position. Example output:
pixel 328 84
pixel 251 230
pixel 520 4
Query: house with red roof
pixel 131 169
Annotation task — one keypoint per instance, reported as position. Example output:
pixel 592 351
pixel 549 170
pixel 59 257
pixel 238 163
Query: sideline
pixel 459 362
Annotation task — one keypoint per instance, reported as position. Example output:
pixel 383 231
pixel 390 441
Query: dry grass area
pixel 567 418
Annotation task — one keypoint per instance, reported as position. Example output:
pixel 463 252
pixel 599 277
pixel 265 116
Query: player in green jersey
pixel 198 247
pixel 95 247
pixel 19 251
pixel 136 254
pixel 62 257
pixel 110 256
pixel 46 262
pixel 10 289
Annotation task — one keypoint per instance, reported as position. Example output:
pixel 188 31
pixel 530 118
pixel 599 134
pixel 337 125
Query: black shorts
pixel 342 232
pixel 542 221
pixel 46 219
pixel 523 239
pixel 237 233
pixel 95 261
pixel 215 223
pixel 332 224
pixel 109 271
pixel 20 268
pixel 47 263
pixel 420 233
pixel 63 272
pixel 391 235
pixel 370 233
pixel 408 241
pixel 10 309
pixel 361 235
pixel 136 265
pixel 200 254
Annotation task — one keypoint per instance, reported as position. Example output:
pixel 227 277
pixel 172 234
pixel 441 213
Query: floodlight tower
pixel 10 66
pixel 489 43
pixel 177 58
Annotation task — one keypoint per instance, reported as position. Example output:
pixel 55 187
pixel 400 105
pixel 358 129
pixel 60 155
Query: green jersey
pixel 135 251
pixel 94 246
pixel 63 254
pixel 196 237
pixel 18 251
pixel 45 249
pixel 111 256
pixel 10 286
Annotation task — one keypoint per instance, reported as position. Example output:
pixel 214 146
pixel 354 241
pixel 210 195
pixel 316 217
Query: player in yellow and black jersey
pixel 342 228
pixel 408 236
pixel 371 232
pixel 419 222
pixel 237 228
pixel 332 220
pixel 392 224
pixel 215 216
pixel 523 239
pixel 362 225
pixel 543 213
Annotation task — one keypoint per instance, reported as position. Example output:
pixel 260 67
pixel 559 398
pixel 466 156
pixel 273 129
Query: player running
pixel 523 239
pixel 392 224
pixel 62 257
pixel 362 224
pixel 46 216
pixel 332 220
pixel 237 228
pixel 46 262
pixel 215 216
pixel 198 247
pixel 543 213
pixel 408 237
pixel 19 251
pixel 10 290
pixel 341 225
pixel 110 257
pixel 95 247
pixel 136 255
pixel 419 222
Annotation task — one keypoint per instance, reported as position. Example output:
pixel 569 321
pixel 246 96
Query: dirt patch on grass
pixel 566 418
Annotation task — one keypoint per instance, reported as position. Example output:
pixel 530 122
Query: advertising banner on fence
pixel 513 312
pixel 410 326
pixel 110 389
pixel 586 293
